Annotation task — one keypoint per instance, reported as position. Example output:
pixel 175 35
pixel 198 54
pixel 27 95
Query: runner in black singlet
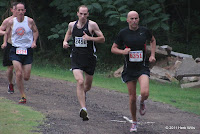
pixel 6 60
pixel 82 57
pixel 136 64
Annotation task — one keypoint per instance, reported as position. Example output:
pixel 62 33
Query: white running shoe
pixel 133 127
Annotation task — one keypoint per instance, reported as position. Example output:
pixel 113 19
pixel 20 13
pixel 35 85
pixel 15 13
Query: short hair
pixel 22 4
pixel 13 4
pixel 84 6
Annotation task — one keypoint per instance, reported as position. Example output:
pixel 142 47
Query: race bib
pixel 22 51
pixel 80 42
pixel 136 56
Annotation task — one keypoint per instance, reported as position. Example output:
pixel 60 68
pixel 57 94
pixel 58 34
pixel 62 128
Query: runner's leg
pixel 78 75
pixel 19 77
pixel 132 98
pixel 9 73
pixel 144 87
pixel 27 71
pixel 88 82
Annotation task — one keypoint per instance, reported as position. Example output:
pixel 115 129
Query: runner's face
pixel 20 10
pixel 14 11
pixel 82 14
pixel 133 20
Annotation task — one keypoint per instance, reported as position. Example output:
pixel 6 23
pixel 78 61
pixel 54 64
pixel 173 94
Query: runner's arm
pixel 116 50
pixel 95 28
pixel 153 49
pixel 2 32
pixel 35 33
pixel 6 27
pixel 68 35
pixel 3 29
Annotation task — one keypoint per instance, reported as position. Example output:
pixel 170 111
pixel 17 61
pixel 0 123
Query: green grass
pixel 185 99
pixel 18 119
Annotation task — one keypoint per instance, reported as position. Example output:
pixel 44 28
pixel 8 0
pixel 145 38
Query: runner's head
pixel 20 8
pixel 13 8
pixel 82 13
pixel 133 20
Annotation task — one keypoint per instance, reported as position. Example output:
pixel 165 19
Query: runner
pixel 82 56
pixel 1 32
pixel 24 37
pixel 136 65
pixel 6 61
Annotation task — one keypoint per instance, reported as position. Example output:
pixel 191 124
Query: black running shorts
pixel 6 59
pixel 24 59
pixel 134 74
pixel 84 62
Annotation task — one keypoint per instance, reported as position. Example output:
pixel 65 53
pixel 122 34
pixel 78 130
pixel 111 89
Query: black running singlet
pixel 81 46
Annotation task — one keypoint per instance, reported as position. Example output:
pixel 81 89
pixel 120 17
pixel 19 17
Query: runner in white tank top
pixel 22 35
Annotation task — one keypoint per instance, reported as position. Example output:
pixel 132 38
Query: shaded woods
pixel 175 23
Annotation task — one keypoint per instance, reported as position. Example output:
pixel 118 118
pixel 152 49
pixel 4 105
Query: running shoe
pixel 83 114
pixel 133 127
pixel 22 100
pixel 10 89
pixel 142 109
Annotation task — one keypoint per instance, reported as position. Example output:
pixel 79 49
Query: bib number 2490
pixel 80 42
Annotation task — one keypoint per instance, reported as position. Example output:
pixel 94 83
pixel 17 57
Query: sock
pixel 84 108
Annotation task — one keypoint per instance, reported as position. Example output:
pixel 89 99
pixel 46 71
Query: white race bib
pixel 80 42
pixel 136 56
pixel 22 51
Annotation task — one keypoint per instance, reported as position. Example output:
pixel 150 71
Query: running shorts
pixel 6 55
pixel 24 59
pixel 84 62
pixel 134 74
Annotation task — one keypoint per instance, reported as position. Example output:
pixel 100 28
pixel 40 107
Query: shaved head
pixel 133 20
pixel 132 13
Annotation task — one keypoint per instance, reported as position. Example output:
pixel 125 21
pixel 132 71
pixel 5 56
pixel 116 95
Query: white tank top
pixel 22 35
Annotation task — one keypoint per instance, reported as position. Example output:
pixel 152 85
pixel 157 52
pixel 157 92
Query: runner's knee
pixel 26 78
pixel 19 75
pixel 132 98
pixel 145 94
pixel 87 87
pixel 10 69
pixel 80 82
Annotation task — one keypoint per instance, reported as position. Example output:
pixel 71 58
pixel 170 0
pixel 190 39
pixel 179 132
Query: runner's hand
pixel 3 45
pixel 65 44
pixel 126 51
pixel 152 59
pixel 33 45
pixel 85 36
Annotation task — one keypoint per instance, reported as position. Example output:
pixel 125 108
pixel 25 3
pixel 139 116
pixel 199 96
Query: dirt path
pixel 57 100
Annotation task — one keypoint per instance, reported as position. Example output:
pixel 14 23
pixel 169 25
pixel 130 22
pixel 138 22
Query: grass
pixel 18 119
pixel 184 99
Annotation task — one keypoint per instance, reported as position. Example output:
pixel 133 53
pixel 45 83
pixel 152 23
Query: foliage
pixel 154 16
pixel 113 13
pixel 4 4
pixel 172 22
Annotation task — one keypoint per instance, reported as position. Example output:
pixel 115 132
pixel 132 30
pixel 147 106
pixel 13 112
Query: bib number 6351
pixel 136 56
